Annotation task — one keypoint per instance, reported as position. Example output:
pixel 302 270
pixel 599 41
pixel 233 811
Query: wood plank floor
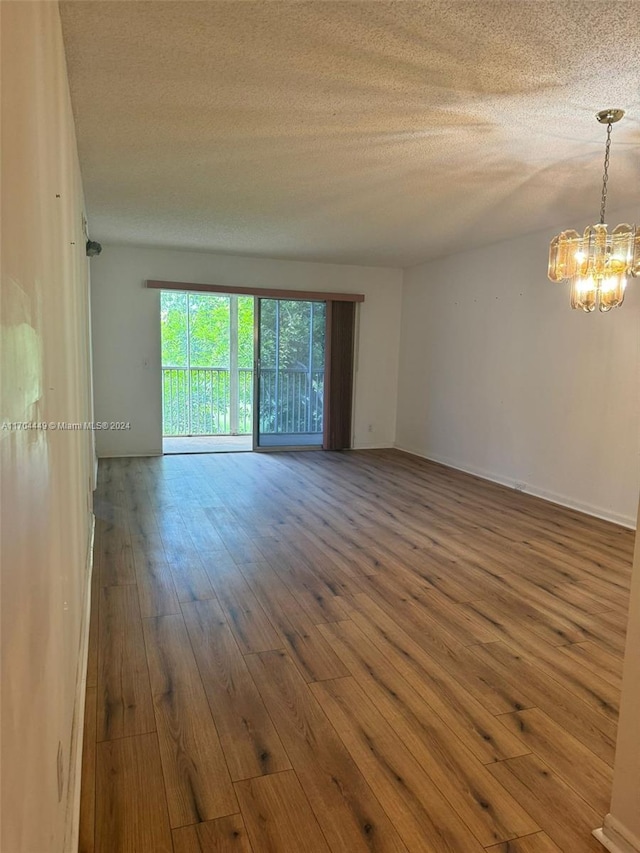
pixel 346 652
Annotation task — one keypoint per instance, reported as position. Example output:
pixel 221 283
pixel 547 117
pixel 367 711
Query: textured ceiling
pixel 377 132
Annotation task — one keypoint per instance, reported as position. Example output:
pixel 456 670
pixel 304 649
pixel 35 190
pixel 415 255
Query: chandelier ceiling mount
pixel 609 116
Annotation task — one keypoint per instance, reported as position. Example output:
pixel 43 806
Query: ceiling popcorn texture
pixel 381 133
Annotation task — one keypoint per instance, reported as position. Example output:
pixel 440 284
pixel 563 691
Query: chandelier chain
pixel 605 176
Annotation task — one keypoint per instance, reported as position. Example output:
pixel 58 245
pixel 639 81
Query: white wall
pixel 126 335
pixel 498 376
pixel 46 475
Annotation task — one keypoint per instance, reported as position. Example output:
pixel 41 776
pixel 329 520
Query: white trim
pixel 382 446
pixel 72 816
pixel 552 497
pixel 615 837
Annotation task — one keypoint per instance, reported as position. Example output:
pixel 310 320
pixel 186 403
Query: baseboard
pixel 562 500
pixel 383 446
pixel 615 837
pixel 72 817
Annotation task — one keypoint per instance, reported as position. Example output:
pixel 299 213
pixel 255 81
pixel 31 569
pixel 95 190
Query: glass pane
pixel 245 332
pixel 245 364
pixel 292 341
pixel 209 330
pixel 206 390
pixel 319 329
pixel 294 334
pixel 268 322
pixel 174 336
pixel 173 321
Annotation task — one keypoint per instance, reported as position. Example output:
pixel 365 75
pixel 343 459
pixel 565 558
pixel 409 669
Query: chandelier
pixel 597 263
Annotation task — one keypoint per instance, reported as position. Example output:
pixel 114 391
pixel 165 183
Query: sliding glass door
pixel 290 369
pixel 247 364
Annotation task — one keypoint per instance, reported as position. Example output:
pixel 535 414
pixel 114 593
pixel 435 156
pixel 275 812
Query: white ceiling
pixel 381 133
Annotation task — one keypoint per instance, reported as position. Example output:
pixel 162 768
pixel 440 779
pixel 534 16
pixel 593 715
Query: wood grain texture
pixel 224 835
pixel 484 806
pixel 538 843
pixel 249 739
pixel 311 654
pixel 480 730
pixel 92 650
pixel 200 525
pixel 420 812
pixel 592 729
pixel 278 816
pixel 231 533
pixel 154 579
pixel 183 556
pixel 314 590
pixel 401 655
pixel 196 774
pixel 131 811
pixel 124 696
pixel 561 813
pixel 251 626
pixel 116 557
pixel 346 808
pixel 587 774
pixel 579 679
pixel 605 665
pixel 86 842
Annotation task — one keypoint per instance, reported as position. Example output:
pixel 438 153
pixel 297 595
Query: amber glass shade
pixel 583 293
pixel 635 261
pixel 597 264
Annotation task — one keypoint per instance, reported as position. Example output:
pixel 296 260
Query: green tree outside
pixel 195 339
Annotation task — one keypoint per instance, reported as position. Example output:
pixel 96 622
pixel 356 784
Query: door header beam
pixel 264 292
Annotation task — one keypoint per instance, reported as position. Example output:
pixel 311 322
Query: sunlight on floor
pixel 206 444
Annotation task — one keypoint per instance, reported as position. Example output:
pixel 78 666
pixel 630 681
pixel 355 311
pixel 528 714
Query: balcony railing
pixel 291 401
pixel 200 401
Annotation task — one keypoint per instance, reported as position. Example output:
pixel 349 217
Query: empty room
pixel 320 445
